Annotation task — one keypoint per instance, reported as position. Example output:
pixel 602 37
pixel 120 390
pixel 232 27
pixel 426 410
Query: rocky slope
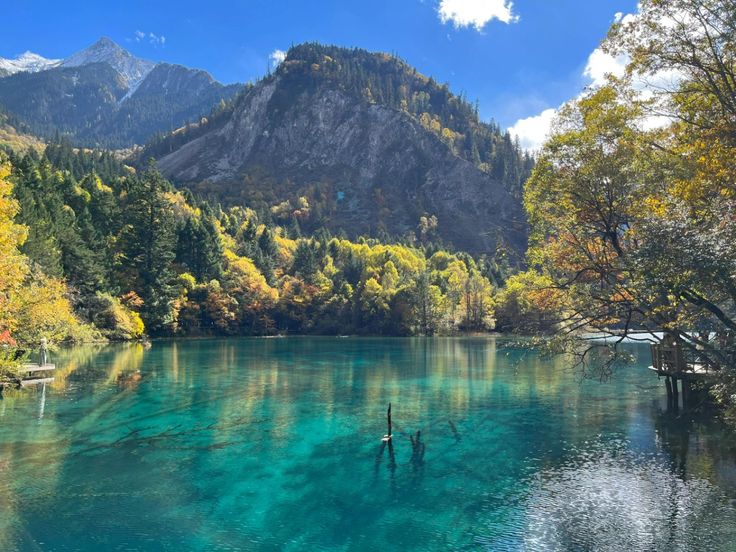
pixel 363 167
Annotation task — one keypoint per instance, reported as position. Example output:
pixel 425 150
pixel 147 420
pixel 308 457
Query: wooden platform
pixel 695 372
pixel 28 375
pixel 35 381
pixel 31 368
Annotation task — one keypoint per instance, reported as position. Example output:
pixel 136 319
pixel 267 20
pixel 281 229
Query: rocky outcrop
pixel 368 167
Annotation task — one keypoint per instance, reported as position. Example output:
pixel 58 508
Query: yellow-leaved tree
pixel 632 199
pixel 13 265
pixel 32 305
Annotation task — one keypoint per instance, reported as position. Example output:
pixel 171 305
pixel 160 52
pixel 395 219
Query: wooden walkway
pixel 30 368
pixel 671 361
pixel 33 370
pixel 690 371
pixel 32 374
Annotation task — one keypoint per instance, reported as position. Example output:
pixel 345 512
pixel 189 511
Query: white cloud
pixel 152 38
pixel 156 40
pixel 476 13
pixel 534 130
pixel 600 65
pixel 276 57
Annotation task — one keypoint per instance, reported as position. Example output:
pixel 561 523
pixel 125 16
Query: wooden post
pixel 675 394
pixel 388 419
pixel 387 437
pixel 668 388
pixel 391 456
pixel 686 393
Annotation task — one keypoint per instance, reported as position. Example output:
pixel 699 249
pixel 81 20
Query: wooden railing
pixel 673 358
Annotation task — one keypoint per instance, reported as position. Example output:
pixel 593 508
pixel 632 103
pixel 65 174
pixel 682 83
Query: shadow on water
pixel 232 444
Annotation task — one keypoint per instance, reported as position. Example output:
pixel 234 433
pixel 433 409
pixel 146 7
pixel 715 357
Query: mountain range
pixel 105 96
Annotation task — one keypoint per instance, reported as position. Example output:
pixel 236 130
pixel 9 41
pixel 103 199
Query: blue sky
pixel 516 60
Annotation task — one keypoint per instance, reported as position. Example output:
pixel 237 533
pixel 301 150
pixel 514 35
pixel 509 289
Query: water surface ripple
pixel 274 444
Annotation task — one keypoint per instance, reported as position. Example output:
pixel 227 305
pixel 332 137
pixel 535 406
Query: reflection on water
pixel 616 501
pixel 275 444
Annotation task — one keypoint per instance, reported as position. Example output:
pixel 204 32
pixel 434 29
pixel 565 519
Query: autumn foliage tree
pixel 632 200
pixel 32 305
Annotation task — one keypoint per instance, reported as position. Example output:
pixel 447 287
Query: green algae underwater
pixel 275 444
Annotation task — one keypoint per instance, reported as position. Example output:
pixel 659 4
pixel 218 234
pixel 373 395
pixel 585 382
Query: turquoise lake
pixel 275 444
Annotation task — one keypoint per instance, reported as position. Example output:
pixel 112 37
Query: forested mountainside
pixel 15 135
pixel 358 142
pixel 333 196
pixel 92 246
pixel 104 96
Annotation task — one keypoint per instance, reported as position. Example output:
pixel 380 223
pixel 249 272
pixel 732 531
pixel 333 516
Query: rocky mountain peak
pixel 131 68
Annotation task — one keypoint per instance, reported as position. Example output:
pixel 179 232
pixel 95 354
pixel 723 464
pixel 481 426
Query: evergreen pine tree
pixel 209 250
pixel 149 242
pixel 305 261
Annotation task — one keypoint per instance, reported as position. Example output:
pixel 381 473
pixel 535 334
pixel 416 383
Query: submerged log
pixel 454 430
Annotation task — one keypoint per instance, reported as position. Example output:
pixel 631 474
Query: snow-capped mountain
pixel 26 62
pixel 105 96
pixel 131 68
